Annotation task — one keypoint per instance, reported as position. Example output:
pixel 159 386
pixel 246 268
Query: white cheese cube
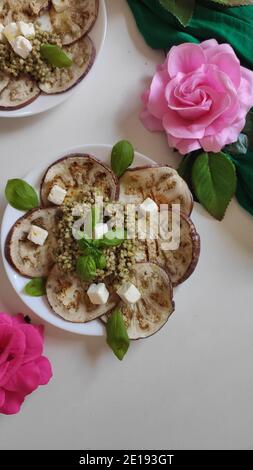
pixel 60 5
pixel 2 36
pixel 129 293
pixel 21 46
pixel 11 31
pixel 44 23
pixel 57 195
pixel 37 235
pixel 100 230
pixel 98 294
pixel 26 29
pixel 148 207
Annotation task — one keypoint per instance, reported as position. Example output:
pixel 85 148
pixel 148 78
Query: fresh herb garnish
pixel 21 195
pixel 117 336
pixel 55 56
pixel 122 157
pixel 36 287
pixel 86 268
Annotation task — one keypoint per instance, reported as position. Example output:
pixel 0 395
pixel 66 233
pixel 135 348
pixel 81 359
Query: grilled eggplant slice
pixel 4 81
pixel 27 10
pixel 18 93
pixel 28 259
pixel 161 183
pixel 179 263
pixel 75 173
pixel 67 296
pixel 83 55
pixel 76 21
pixel 150 314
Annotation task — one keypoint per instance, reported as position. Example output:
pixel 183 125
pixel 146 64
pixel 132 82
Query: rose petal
pixel 26 380
pixel 34 342
pixel 45 370
pixel 12 341
pixel 184 146
pixel 230 65
pixel 185 58
pixel 12 403
pixel 2 397
pixel 150 122
pixel 157 103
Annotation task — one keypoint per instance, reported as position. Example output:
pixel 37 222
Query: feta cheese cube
pixel 60 5
pixel 129 293
pixel 100 230
pixel 26 29
pixel 21 46
pixel 44 23
pixel 37 235
pixel 11 31
pixel 2 36
pixel 57 195
pixel 148 207
pixel 98 294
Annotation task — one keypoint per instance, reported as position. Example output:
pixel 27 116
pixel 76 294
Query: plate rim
pixel 83 329
pixel 22 113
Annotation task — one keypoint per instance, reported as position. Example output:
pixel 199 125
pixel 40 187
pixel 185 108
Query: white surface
pixel 189 386
pixel 47 102
pixel 39 305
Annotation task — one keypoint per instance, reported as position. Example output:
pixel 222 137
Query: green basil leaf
pixel 214 182
pixel 21 195
pixel 111 238
pixel 36 287
pixel 55 56
pixel 117 336
pixel 122 157
pixel 86 268
pixel 182 9
pixel 101 261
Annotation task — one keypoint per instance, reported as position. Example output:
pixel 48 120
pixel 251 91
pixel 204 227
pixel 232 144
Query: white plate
pixel 39 305
pixel 46 102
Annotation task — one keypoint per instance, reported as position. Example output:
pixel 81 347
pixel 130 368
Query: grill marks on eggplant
pixel 76 172
pixel 28 259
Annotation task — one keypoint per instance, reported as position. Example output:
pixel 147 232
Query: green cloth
pixel 233 25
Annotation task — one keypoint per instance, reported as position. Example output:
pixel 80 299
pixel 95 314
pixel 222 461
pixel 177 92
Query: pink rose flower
pixel 200 96
pixel 22 366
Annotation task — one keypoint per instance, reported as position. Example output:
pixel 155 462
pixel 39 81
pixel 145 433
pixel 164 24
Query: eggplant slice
pixel 67 296
pixel 179 263
pixel 75 173
pixel 153 310
pixel 83 55
pixel 18 93
pixel 28 259
pixel 76 21
pixel 161 183
pixel 4 81
pixel 26 10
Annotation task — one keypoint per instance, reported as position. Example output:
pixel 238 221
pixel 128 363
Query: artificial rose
pixel 22 366
pixel 200 96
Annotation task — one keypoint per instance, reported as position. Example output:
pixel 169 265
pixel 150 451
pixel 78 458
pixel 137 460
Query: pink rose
pixel 200 96
pixel 22 366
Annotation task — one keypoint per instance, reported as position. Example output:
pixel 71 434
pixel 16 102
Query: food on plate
pixel 94 255
pixel 43 43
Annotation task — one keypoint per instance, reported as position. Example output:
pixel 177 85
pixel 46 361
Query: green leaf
pixel 101 261
pixel 182 9
pixel 36 287
pixel 55 56
pixel 214 182
pixel 238 148
pixel 21 195
pixel 111 238
pixel 122 157
pixel 234 3
pixel 86 267
pixel 248 129
pixel 117 336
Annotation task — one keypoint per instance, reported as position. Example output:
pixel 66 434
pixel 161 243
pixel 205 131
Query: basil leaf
pixel 21 195
pixel 117 336
pixel 86 267
pixel 101 261
pixel 182 9
pixel 55 56
pixel 122 157
pixel 36 287
pixel 214 182
pixel 111 238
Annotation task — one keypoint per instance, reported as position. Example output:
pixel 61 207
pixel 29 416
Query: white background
pixel 191 385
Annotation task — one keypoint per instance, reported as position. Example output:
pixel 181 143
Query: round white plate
pixel 46 102
pixel 39 305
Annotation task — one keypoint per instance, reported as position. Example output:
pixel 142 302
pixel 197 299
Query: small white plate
pixel 46 102
pixel 39 305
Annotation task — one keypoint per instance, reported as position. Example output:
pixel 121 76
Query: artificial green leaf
pixel 234 3
pixel 36 287
pixel 182 9
pixel 55 56
pixel 117 336
pixel 86 267
pixel 21 195
pixel 214 182
pixel 248 129
pixel 238 148
pixel 122 157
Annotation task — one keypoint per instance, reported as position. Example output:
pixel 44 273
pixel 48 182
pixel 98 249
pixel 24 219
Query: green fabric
pixel 233 25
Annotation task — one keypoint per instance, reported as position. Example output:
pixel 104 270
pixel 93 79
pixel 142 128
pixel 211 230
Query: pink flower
pixel 200 96
pixel 22 366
